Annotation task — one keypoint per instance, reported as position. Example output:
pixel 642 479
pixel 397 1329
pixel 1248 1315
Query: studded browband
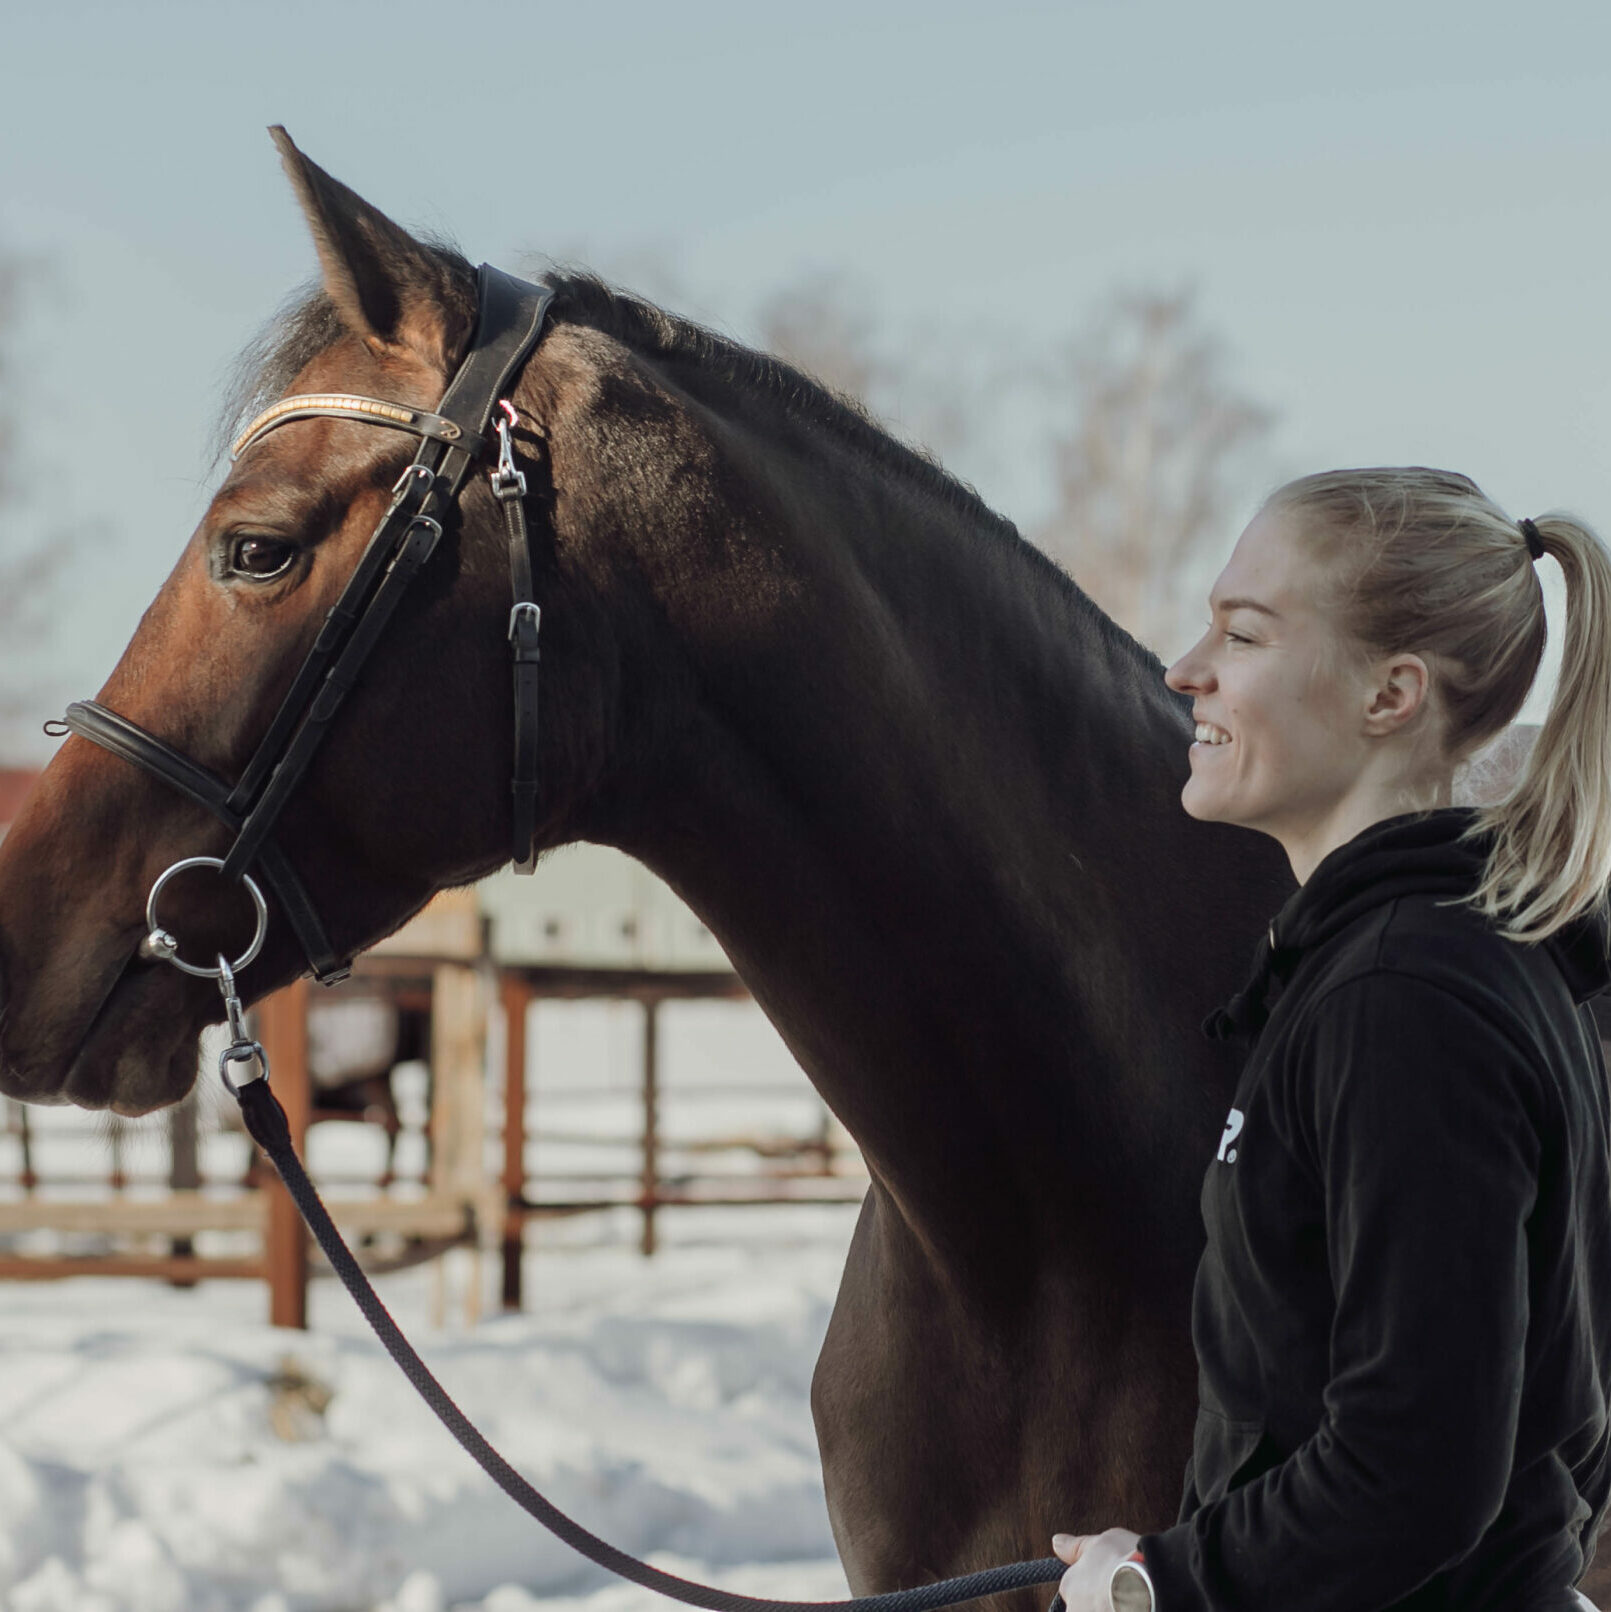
pixel 345 406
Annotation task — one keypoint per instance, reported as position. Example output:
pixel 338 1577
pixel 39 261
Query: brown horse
pixel 923 791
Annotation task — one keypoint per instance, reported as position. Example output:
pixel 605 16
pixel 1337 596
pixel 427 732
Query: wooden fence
pixel 465 1199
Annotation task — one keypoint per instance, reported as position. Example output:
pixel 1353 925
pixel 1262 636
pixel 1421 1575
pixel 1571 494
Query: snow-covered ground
pixel 150 1461
pixel 165 1450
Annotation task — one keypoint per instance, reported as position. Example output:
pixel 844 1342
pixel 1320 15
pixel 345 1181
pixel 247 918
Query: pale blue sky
pixel 1396 215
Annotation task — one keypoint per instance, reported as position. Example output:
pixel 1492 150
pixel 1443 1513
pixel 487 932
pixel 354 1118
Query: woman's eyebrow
pixel 1246 604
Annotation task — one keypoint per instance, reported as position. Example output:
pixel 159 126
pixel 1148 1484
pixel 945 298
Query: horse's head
pixel 411 792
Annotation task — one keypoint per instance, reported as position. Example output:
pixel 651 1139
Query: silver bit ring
pixel 156 947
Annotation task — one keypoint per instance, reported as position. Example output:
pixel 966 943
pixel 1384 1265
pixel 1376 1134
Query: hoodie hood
pixel 1420 853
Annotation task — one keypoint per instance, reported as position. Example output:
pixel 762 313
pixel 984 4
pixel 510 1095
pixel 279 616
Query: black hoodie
pixel 1403 1314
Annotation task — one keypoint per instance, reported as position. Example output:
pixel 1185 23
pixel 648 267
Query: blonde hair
pixel 1422 560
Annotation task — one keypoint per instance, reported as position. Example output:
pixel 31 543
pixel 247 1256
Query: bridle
pixel 509 321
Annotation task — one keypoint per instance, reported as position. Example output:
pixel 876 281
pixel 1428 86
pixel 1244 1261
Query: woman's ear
pixel 1400 687
pixel 389 289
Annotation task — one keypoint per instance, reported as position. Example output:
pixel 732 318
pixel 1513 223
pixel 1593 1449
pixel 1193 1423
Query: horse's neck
pixel 928 799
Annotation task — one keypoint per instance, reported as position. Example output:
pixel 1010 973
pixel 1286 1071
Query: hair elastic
pixel 1535 544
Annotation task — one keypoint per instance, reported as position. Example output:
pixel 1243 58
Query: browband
pixel 347 406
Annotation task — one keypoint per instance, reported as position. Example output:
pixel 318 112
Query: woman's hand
pixel 1091 1559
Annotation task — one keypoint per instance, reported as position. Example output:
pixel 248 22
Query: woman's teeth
pixel 1207 733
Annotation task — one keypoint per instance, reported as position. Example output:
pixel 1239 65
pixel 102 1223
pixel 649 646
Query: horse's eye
pixel 261 557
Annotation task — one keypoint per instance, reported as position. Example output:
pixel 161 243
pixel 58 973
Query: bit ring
pixel 154 928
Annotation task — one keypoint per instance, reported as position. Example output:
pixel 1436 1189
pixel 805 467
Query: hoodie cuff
pixel 1175 1566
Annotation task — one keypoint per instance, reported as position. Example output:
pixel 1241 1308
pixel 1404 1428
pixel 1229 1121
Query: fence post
pixel 516 993
pixel 458 1101
pixel 282 1027
pixel 651 1119
pixel 184 1171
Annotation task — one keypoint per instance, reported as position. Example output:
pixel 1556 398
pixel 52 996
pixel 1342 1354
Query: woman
pixel 1403 1313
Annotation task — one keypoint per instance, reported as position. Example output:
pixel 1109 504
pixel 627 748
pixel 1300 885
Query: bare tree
pixel 32 559
pixel 1157 455
pixel 824 324
pixel 828 324
pixel 10 288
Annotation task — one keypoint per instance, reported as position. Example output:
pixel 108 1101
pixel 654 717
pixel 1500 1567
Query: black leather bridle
pixel 510 316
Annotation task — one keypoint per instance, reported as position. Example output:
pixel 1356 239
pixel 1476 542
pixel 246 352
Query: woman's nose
pixel 1181 677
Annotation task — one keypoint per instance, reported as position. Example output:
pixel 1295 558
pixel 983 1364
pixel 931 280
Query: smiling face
pixel 1282 705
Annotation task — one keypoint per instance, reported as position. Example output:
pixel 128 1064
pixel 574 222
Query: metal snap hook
pixel 242 1047
pixel 159 944
pixel 243 1052
pixel 507 481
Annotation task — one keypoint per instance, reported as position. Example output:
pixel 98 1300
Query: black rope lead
pixel 266 1122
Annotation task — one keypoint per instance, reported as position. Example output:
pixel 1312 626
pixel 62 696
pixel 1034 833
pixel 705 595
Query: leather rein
pixel 509 322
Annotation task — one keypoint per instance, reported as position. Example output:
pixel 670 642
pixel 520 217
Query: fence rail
pixel 153 1217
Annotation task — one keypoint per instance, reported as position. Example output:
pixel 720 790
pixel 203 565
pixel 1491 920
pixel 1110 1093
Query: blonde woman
pixel 1403 1312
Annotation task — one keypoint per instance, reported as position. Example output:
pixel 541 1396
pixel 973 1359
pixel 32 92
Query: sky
pixel 1394 216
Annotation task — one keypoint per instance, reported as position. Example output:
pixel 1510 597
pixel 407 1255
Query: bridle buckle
pixel 526 614
pixel 415 478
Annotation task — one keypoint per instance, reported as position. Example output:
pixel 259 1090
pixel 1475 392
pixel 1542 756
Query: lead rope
pixel 266 1122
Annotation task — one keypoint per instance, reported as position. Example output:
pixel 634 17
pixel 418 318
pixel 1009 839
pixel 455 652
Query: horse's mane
pixel 588 300
pixel 585 299
pixel 308 323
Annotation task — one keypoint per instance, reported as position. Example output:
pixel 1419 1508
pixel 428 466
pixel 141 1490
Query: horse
pixel 922 790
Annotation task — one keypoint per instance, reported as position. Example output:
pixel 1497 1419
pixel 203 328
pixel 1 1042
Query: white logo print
pixel 1227 1143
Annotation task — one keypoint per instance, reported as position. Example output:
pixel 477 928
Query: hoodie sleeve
pixel 1420 1113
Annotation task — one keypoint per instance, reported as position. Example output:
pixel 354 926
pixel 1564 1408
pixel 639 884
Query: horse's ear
pixel 390 289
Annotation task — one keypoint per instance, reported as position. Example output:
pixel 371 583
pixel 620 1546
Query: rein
pixel 267 1125
pixel 266 1122
pixel 510 320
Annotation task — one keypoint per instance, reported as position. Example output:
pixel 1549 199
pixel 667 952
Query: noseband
pixel 510 315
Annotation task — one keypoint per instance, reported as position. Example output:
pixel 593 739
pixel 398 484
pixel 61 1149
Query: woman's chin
pixel 1198 802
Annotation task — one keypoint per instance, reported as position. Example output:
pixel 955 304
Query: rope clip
pixel 507 482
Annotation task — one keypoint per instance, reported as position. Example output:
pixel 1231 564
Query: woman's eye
pixel 261 557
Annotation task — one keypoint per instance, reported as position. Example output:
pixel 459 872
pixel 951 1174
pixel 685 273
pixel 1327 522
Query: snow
pixel 165 1450
pixel 662 1402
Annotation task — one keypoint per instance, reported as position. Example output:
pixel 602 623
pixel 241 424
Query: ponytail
pixel 1550 860
pixel 1422 560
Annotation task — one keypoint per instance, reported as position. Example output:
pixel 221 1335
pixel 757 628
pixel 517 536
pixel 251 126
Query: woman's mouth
pixel 1208 734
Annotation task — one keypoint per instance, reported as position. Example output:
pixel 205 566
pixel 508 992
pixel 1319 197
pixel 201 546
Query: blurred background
pixel 1123 267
